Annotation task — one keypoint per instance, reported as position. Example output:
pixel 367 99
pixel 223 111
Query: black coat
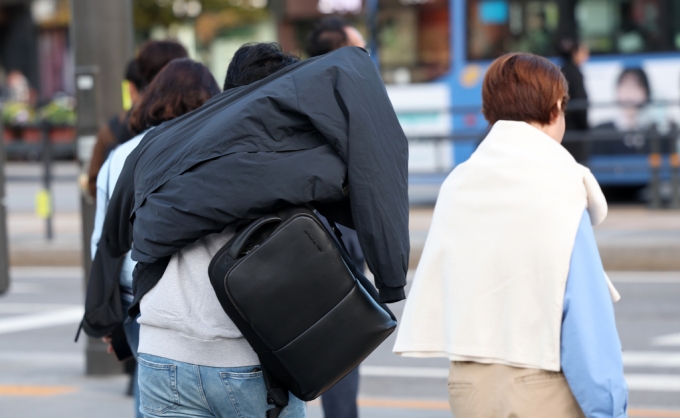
pixel 320 132
pixel 575 119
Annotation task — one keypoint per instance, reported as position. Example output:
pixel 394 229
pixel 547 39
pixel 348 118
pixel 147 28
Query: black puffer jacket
pixel 320 132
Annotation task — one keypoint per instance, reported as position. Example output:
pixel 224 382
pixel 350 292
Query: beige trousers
pixel 497 391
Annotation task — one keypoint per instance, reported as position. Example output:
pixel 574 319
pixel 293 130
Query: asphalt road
pixel 42 370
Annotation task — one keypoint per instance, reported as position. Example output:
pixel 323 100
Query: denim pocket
pixel 246 390
pixel 158 387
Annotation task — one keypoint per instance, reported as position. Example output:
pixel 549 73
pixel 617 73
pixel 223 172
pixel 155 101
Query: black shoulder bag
pixel 293 292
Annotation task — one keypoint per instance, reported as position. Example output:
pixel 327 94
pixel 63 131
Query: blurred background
pixel 61 69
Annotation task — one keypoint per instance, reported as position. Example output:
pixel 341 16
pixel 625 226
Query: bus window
pixel 499 26
pixel 607 26
pixel 414 40
pixel 625 26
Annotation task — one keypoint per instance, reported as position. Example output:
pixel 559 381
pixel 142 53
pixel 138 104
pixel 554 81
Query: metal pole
pixel 102 37
pixel 4 243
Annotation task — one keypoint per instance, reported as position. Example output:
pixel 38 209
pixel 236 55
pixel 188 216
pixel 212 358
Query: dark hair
pixel 182 86
pixel 523 87
pixel 640 77
pixel 327 36
pixel 154 55
pixel 255 61
pixel 567 47
pixel 133 75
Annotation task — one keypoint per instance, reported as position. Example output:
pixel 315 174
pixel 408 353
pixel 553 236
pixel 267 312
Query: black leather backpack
pixel 293 292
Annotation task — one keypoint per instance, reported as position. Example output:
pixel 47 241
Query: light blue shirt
pixel 591 350
pixel 106 183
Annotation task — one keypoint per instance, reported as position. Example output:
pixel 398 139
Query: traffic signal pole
pixel 102 39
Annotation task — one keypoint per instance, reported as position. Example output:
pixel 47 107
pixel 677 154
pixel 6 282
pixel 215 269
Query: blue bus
pixel 433 55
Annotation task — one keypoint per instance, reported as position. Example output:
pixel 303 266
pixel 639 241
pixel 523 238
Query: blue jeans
pixel 170 388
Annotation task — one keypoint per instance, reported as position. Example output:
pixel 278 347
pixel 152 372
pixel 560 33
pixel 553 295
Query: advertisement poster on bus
pixel 633 97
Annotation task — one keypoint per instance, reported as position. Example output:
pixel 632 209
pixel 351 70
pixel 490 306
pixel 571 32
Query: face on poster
pixel 633 97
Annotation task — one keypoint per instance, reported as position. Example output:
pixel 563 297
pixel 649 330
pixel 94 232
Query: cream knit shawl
pixel 490 284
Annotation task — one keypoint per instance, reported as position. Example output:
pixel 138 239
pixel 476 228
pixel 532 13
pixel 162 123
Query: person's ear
pixel 558 112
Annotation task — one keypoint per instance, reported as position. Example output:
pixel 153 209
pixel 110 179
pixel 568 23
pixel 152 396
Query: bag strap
pixel 276 395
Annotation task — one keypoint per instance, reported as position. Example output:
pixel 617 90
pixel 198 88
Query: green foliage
pixel 60 111
pixel 17 113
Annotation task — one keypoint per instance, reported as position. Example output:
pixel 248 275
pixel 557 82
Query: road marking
pixel 41 320
pixel 644 276
pixel 667 340
pixel 651 359
pixel 15 308
pixel 22 273
pixel 418 372
pixel 653 382
pixel 403 404
pixel 29 390
pixel 653 413
pixel 43 358
pixel 26 288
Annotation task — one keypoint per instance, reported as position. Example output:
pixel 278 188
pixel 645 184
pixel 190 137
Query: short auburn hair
pixel 523 87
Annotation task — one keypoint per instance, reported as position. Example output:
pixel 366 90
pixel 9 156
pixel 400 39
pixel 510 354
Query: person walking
pixel 182 86
pixel 332 33
pixel 510 286
pixel 183 328
pixel 321 133
pixel 140 72
pixel 574 55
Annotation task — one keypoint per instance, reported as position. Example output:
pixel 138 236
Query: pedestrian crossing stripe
pixel 31 390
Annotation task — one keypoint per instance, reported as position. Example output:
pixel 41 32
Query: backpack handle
pixel 242 238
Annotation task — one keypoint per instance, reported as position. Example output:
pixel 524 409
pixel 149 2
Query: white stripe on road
pixel 387 371
pixel 19 308
pixel 651 277
pixel 668 340
pixel 653 382
pixel 651 359
pixel 41 320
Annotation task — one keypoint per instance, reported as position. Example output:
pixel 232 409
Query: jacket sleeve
pixel 590 348
pixel 349 105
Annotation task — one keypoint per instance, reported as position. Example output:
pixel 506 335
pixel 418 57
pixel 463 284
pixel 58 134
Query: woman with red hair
pixel 510 286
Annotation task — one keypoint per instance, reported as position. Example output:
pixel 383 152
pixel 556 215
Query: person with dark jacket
pixel 182 324
pixel 320 132
pixel 140 72
pixel 575 54
pixel 330 34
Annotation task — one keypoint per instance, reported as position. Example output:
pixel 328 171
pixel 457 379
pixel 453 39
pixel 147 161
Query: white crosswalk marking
pixel 667 340
pixel 653 382
pixel 47 319
pixel 651 359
